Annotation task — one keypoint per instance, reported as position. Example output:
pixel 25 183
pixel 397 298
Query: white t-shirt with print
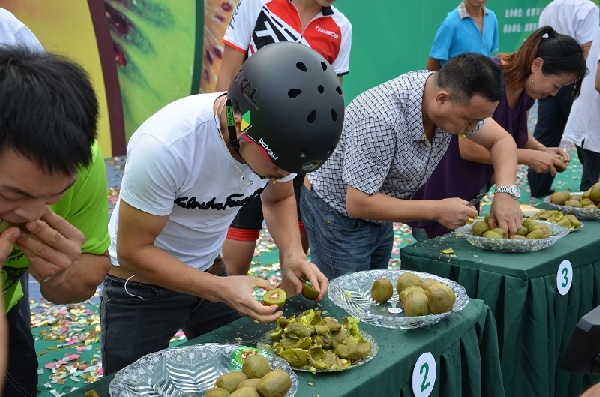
pixel 178 166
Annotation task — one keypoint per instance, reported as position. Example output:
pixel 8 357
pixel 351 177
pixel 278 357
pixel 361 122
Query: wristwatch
pixel 512 190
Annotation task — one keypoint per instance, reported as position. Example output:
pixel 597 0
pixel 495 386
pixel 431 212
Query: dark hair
pixel 561 54
pixel 48 109
pixel 470 74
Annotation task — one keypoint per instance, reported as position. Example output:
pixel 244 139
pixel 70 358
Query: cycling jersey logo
pixel 327 32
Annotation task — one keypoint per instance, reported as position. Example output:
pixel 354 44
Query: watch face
pixel 512 190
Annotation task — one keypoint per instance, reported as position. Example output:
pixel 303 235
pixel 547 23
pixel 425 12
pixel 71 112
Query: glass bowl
pixel 352 292
pixel 507 245
pixel 584 214
pixel 183 372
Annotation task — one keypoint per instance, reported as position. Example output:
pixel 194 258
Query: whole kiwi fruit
pixel 256 366
pixel 407 279
pixel 245 392
pixel 382 290
pixel 230 380
pixel 274 384
pixel 217 392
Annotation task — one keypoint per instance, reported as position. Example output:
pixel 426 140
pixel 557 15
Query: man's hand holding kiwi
pixel 295 269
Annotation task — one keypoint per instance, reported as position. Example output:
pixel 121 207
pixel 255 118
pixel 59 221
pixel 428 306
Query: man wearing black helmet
pixel 253 25
pixel 394 136
pixel 190 167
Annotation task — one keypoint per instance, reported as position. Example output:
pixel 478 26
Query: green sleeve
pixel 85 205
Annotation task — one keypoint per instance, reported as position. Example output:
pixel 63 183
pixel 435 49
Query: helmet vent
pixel 339 90
pixel 324 66
pixel 294 92
pixel 312 116
pixel 301 66
pixel 321 89
pixel 334 115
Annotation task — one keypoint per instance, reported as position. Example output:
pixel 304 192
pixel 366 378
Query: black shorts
pixel 250 216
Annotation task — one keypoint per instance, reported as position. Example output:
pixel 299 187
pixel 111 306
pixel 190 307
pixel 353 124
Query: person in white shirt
pixel 583 125
pixel 190 168
pixel 578 19
pixel 14 32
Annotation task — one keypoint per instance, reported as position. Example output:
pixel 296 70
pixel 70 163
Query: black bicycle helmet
pixel 291 103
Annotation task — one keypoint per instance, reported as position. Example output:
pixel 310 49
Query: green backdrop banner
pixel 156 51
pixel 393 37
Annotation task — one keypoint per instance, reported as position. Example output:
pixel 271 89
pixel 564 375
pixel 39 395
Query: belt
pixel 117 271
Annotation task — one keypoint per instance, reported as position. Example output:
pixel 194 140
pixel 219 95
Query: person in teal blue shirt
pixel 470 27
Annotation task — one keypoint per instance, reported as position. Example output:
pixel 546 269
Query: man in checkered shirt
pixel 394 136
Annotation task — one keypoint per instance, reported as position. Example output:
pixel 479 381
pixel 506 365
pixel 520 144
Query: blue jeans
pixel 339 244
pixel 133 326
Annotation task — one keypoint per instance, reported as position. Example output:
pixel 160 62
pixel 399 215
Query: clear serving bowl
pixel 507 245
pixel 183 372
pixel 584 214
pixel 352 292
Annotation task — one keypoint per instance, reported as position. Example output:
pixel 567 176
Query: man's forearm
pixel 504 159
pixel 281 218
pixel 381 207
pixel 79 282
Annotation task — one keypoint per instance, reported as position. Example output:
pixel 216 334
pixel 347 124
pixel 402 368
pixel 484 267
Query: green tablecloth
pixel 459 343
pixel 534 321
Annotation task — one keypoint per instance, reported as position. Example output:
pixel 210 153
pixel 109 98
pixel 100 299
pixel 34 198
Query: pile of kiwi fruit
pixel 418 297
pixel 529 230
pixel 589 199
pixel 314 342
pixel 569 221
pixel 256 379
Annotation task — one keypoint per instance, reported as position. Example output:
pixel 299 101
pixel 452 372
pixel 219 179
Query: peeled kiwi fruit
pixel 256 366
pixel 309 292
pixel 382 290
pixel 275 296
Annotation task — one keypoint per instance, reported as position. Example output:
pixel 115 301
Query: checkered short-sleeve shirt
pixel 383 147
